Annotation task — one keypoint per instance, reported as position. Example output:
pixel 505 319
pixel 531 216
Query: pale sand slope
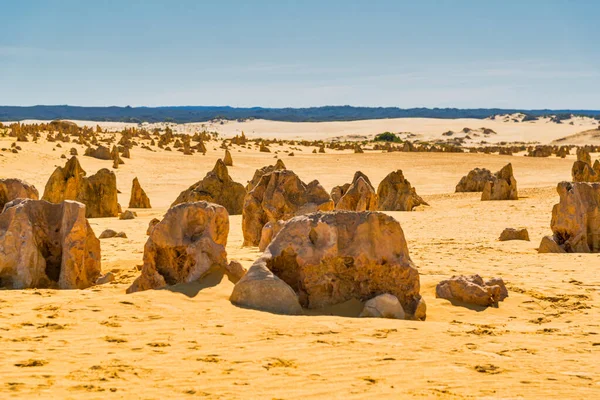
pixel 543 130
pixel 542 342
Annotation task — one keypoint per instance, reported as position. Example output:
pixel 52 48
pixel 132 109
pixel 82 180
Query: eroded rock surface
pixel 502 186
pixel 98 192
pixel 216 187
pixel 139 198
pixel 11 189
pixel 188 244
pixel 323 259
pixel 474 181
pixel 280 195
pixel 575 220
pixel 472 290
pixel 396 194
pixel 514 234
pixel 45 245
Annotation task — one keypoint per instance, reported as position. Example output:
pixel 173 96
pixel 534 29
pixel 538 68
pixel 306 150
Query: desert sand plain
pixel 189 341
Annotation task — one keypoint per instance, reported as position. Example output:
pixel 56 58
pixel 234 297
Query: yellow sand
pixel 189 341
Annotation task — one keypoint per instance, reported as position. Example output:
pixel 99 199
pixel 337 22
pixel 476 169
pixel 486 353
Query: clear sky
pixel 279 53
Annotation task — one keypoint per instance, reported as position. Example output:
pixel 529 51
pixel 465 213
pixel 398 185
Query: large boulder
pixel 474 181
pixel 575 220
pixel 502 186
pixel 98 192
pixel 11 189
pixel 472 290
pixel 280 195
pixel 188 244
pixel 396 194
pixel 45 245
pixel 322 259
pixel 139 198
pixel 259 173
pixel 216 187
pixel 359 195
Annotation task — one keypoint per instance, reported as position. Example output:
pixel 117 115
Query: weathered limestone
pixel 359 195
pixel 280 195
pixel 514 234
pixel 472 290
pixel 396 194
pixel 139 198
pixel 45 245
pixel 188 244
pixel 575 220
pixel 383 306
pixel 228 160
pixel 98 192
pixel 502 186
pixel 11 189
pixel 216 187
pixel 101 152
pixel 474 181
pixel 279 166
pixel 323 259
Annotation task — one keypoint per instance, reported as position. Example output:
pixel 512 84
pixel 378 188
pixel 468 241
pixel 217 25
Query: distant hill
pixel 207 113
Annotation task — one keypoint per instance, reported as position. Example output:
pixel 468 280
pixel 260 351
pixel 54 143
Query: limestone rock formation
pixel 396 194
pixel 474 181
pixel 514 234
pixel 323 259
pixel 98 192
pixel 583 172
pixel 128 214
pixel 502 186
pixel 11 189
pixel 383 306
pixel 575 223
pixel 269 231
pixel 472 290
pixel 584 156
pixel 279 166
pixel 151 225
pixel 280 195
pixel 228 160
pixel 216 187
pixel 101 152
pixel 138 198
pixel 45 245
pixel 185 246
pixel 359 195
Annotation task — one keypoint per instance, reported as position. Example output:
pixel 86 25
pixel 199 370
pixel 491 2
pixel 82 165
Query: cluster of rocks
pixel 98 192
pixel 280 195
pixel 322 259
pixel 583 170
pixel 499 186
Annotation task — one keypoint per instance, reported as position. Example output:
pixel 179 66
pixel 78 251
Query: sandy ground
pixel 189 341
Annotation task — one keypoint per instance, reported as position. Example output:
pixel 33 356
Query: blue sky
pixel 468 54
